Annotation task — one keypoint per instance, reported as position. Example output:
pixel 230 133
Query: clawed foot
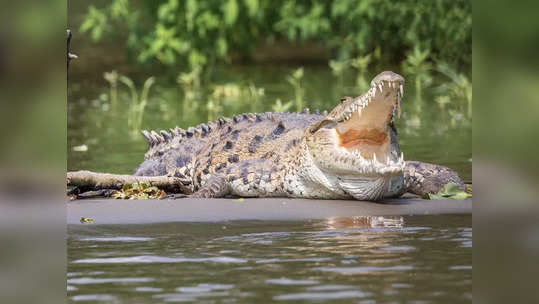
pixel 175 196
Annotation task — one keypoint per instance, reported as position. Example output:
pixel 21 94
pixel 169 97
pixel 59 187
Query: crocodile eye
pixel 345 99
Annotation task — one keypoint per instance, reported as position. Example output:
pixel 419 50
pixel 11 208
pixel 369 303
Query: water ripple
pixel 323 295
pixel 79 281
pixel 148 289
pixel 398 248
pixel 204 287
pixel 461 267
pixel 363 269
pixel 116 239
pixel 159 259
pixel 278 260
pixel 290 282
pixel 94 297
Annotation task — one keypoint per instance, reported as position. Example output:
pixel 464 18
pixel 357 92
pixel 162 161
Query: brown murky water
pixel 408 259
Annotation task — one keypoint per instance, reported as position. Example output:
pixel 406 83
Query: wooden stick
pixel 96 180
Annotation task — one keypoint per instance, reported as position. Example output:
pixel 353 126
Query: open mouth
pixel 363 128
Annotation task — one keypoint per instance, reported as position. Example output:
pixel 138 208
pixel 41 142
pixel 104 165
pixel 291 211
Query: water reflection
pixel 365 222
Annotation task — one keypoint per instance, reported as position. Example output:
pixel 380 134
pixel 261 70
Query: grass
pixel 137 102
pixel 295 79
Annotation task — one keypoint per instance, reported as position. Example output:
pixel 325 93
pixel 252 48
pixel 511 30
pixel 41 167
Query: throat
pixel 368 142
pixel 353 138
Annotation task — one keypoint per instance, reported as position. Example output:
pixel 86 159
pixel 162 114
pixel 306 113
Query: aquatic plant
pixel 227 91
pixel 459 87
pixel 137 103
pixel 279 106
pixel 190 81
pixel 361 63
pixel 236 95
pixel 190 86
pixel 337 68
pixel 254 94
pixel 112 78
pixel 417 66
pixel 442 101
pixel 214 108
pixel 295 79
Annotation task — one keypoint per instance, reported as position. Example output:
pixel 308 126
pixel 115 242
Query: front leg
pixel 215 186
pixel 421 178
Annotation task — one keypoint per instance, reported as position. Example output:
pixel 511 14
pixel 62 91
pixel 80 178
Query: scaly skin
pixel 351 153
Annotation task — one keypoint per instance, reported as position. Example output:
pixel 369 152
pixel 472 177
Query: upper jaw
pixel 388 92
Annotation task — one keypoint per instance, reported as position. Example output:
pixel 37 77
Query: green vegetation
pixel 417 65
pixel 137 102
pixel 458 87
pixel 360 64
pixel 201 33
pixel 453 96
pixel 139 191
pixel 429 40
pixel 278 106
pixel 338 67
pixel 112 79
pixel 190 86
pixel 295 80
pixel 449 191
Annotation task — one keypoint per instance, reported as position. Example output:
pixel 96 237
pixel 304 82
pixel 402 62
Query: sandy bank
pixel 107 211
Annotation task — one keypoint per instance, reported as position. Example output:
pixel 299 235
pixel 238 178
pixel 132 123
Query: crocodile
pixel 351 152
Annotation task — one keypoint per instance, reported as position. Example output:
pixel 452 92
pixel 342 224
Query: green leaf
pixel 230 10
pixel 222 47
pixel 252 7
pixel 86 220
pixel 449 191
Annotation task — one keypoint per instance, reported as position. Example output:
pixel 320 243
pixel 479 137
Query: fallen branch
pixel 96 180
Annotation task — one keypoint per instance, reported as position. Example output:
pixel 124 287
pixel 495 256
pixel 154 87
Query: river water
pixel 408 259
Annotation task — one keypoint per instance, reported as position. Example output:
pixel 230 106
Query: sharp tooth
pixel 374 161
pixel 401 89
pixel 388 161
pixel 380 87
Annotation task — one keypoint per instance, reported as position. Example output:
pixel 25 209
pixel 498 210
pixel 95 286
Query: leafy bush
pixel 200 33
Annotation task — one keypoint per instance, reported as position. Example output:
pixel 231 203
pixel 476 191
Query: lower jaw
pixel 366 188
pixel 365 168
